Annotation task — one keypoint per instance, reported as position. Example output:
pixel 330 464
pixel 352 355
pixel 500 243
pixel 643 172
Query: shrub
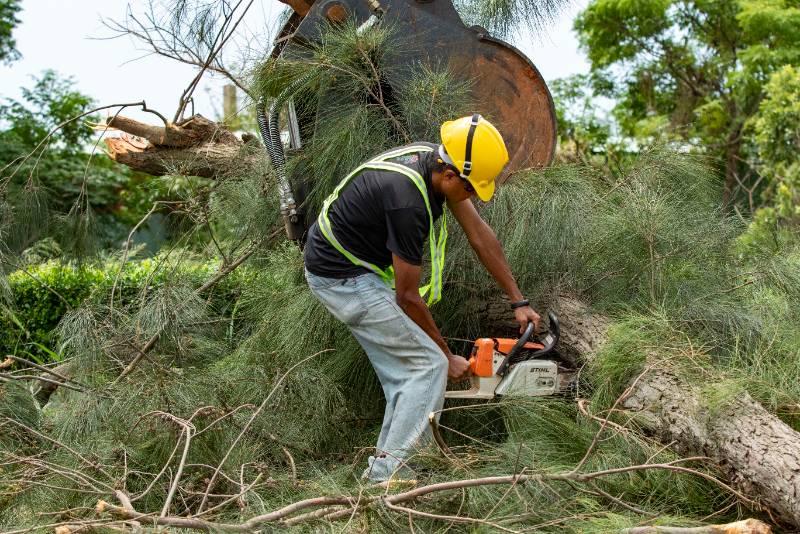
pixel 43 293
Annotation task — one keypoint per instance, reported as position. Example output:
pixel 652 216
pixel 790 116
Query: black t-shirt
pixel 377 213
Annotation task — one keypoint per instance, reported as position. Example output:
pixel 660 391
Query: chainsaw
pixel 528 366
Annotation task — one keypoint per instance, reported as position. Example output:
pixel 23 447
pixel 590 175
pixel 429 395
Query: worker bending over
pixel 363 261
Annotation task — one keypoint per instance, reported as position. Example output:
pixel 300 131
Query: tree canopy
pixel 8 21
pixel 692 70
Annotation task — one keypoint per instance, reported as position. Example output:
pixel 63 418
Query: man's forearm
pixel 416 308
pixel 491 255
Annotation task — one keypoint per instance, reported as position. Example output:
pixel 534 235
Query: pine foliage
pixel 504 17
pixel 341 86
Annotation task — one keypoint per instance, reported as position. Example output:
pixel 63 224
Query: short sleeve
pixel 407 229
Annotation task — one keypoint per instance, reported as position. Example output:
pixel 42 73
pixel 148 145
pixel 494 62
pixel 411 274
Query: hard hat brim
pixel 485 190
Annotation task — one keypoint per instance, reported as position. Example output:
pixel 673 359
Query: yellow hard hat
pixel 475 147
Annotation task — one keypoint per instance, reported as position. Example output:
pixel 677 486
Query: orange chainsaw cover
pixel 481 361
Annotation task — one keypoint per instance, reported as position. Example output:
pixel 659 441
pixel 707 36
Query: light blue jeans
pixel 411 368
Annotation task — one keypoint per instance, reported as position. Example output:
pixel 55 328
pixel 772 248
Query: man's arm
pixel 484 242
pixel 407 277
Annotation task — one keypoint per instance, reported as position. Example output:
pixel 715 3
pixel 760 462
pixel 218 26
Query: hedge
pixel 42 294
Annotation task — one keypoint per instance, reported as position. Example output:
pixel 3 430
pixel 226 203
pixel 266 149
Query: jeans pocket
pixel 342 300
pixel 320 282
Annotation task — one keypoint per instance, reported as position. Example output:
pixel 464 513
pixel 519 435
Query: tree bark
pixel 196 147
pixel 759 453
pixel 748 526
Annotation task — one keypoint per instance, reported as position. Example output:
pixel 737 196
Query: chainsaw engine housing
pixel 532 378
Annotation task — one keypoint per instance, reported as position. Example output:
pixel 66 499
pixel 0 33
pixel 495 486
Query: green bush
pixel 43 293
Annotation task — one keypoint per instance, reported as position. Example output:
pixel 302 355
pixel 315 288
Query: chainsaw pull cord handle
pixel 501 371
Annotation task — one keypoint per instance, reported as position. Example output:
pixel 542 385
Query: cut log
pixel 748 526
pixel 196 147
pixel 759 454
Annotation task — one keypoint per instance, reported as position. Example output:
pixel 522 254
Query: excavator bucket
pixel 507 87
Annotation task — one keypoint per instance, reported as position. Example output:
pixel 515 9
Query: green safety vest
pixel 434 287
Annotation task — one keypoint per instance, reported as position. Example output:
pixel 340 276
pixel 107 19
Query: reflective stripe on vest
pixel 434 287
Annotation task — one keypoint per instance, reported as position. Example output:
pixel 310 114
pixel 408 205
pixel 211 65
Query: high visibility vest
pixel 434 287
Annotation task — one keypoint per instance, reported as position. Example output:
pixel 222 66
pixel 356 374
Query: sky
pixel 70 37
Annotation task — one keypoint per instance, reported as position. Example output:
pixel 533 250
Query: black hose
pixel 271 135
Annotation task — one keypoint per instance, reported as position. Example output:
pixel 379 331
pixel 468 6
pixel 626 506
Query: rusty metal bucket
pixel 507 87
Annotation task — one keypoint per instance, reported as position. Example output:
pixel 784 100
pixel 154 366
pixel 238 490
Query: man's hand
pixel 458 367
pixel 526 315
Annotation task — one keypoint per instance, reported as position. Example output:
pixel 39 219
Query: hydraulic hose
pixel 271 135
pixel 268 124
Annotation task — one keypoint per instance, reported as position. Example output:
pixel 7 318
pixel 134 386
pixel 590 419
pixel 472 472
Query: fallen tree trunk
pixel 196 147
pixel 759 453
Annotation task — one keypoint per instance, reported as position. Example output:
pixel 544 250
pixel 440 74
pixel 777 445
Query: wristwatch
pixel 520 304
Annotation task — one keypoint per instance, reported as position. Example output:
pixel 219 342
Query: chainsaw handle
pixel 519 344
pixel 549 342
pixel 551 338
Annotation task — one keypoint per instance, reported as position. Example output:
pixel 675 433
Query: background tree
pixel 64 180
pixel 690 70
pixel 585 133
pixel 775 131
pixel 8 20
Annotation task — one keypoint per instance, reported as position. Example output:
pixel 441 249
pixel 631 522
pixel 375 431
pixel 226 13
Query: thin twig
pixel 42 379
pixel 66 122
pixel 451 518
pixel 232 497
pixel 126 251
pixel 187 431
pixel 620 502
pixel 625 395
pixel 329 511
pixel 46 370
pixel 583 408
pixel 250 422
pixel 222 273
pixel 60 524
pixel 60 445
pixel 288 457
pixel 160 473
pixel 215 49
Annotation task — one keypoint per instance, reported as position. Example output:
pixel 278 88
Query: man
pixel 370 236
